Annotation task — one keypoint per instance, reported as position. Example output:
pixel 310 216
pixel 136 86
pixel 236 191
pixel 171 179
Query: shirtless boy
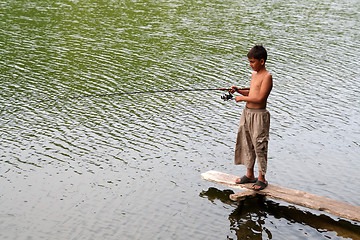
pixel 253 133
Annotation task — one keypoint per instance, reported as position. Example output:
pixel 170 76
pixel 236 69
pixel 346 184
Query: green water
pixel 128 166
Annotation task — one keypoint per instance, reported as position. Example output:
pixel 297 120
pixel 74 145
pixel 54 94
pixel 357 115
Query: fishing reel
pixel 227 97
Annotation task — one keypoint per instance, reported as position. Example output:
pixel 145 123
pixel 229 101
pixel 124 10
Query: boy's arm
pixel 264 92
pixel 242 91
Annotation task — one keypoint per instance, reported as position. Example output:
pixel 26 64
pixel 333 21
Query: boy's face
pixel 256 64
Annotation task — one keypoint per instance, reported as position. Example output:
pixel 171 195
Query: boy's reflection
pixel 247 219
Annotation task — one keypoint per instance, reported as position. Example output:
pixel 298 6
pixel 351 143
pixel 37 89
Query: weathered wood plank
pixel 297 197
pixel 244 195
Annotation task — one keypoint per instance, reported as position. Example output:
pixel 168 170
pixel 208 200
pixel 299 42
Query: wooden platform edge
pixel 293 196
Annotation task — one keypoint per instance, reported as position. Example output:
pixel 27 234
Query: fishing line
pixel 225 97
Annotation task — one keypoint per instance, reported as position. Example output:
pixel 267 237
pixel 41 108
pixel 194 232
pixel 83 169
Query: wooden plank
pixel 244 195
pixel 297 197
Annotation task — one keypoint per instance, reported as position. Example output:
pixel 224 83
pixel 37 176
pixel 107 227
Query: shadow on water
pixel 248 218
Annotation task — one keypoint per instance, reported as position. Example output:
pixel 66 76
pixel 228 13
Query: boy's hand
pixel 234 89
pixel 238 98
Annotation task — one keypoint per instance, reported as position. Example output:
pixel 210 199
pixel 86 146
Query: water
pixel 128 167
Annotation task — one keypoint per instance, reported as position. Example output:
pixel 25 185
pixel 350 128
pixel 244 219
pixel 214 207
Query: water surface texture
pixel 128 166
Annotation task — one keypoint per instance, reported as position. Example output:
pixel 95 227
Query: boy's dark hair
pixel 258 52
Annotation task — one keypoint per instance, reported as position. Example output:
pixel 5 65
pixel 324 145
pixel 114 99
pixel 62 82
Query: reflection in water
pixel 215 194
pixel 249 218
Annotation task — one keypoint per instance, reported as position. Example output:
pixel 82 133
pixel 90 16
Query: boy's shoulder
pixel 264 74
pixel 268 75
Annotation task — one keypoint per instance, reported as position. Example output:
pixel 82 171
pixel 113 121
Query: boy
pixel 253 133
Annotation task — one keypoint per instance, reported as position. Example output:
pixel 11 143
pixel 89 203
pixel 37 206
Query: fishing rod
pixel 225 97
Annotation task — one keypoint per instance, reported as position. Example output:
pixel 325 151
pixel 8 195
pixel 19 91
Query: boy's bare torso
pixel 260 87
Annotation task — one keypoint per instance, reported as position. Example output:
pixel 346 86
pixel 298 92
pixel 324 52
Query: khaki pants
pixel 252 138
